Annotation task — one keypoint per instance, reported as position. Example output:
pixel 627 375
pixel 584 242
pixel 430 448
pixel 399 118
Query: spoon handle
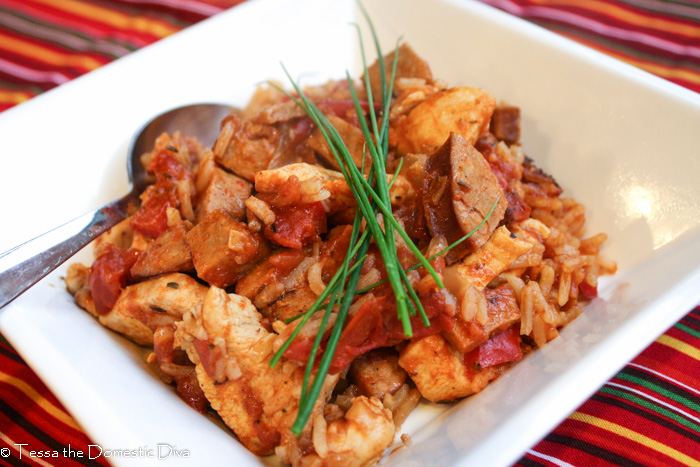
pixel 24 265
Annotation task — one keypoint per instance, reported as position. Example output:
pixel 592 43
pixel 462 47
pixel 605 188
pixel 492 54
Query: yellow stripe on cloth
pixel 664 72
pixel 14 97
pixel 45 55
pixel 636 437
pixel 680 346
pixel 20 448
pixel 626 16
pixel 39 400
pixel 111 17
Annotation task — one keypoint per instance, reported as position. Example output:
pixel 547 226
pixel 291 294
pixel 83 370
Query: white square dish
pixel 615 138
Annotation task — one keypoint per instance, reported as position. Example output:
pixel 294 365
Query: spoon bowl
pixel 24 265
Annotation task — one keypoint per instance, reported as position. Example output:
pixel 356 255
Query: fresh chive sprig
pixel 372 196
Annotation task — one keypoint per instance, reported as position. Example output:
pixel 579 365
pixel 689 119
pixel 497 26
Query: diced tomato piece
pixel 297 225
pixel 374 260
pixel 299 350
pixel 438 314
pixel 343 108
pixel 589 291
pixel 286 260
pixel 376 325
pixel 504 347
pixel 208 355
pixel 189 391
pixel 299 130
pixel 334 250
pixel 166 165
pixel 151 219
pixel 471 362
pixel 108 275
pixel 364 332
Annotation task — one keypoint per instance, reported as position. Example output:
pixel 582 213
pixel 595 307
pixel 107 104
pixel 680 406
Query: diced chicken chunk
pixel 439 370
pixel 464 111
pixel 502 311
pixel 482 266
pixel 232 350
pixel 360 437
pixel 310 181
pixel 143 307
pixel 459 190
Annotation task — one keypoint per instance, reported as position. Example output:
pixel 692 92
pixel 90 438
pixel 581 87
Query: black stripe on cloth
pixel 593 450
pixel 691 321
pixel 528 462
pixel 12 461
pixel 662 383
pixel 11 354
pixel 648 414
pixel 40 435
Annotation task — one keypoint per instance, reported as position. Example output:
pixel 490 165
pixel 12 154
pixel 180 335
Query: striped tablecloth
pixel 647 415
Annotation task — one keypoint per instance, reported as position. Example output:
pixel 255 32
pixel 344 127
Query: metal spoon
pixel 24 265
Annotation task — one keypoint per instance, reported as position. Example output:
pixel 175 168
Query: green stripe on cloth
pixel 673 395
pixel 652 406
pixel 688 330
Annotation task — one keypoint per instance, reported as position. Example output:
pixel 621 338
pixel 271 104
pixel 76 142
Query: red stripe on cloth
pixel 667 45
pixel 563 452
pixel 692 322
pixel 682 424
pixel 71 22
pixel 102 24
pixel 630 13
pixel 608 445
pixel 43 55
pixel 185 11
pixel 103 30
pixel 671 362
pixel 29 445
pixel 650 393
pixel 689 338
pixel 639 423
pixel 31 415
pixel 662 416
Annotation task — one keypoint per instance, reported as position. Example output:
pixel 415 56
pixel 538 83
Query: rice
pixel 520 278
pixel 315 278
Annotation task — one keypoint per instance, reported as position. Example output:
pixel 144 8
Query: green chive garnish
pixel 372 198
